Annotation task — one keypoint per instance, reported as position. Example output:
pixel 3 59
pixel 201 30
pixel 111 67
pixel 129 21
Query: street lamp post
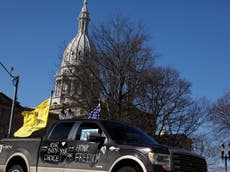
pixel 15 83
pixel 225 156
pixel 15 80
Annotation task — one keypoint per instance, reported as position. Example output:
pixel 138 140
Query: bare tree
pixel 207 146
pixel 167 99
pixel 122 54
pixel 220 116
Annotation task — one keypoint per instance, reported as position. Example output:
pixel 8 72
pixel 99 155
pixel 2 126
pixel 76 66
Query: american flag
pixel 95 113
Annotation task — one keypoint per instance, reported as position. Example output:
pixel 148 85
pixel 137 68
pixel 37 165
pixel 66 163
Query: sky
pixel 192 36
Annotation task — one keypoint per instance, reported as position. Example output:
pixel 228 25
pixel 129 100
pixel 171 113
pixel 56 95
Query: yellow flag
pixel 34 120
pixel 28 122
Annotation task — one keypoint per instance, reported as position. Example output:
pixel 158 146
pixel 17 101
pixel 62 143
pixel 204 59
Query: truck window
pixel 134 136
pixel 116 131
pixel 87 128
pixel 122 133
pixel 61 131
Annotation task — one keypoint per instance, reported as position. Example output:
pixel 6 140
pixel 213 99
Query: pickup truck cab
pixel 84 145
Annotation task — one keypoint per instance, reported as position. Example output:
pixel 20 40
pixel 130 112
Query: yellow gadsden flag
pixel 34 120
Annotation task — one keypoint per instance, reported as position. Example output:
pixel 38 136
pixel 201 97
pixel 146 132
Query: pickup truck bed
pixel 27 148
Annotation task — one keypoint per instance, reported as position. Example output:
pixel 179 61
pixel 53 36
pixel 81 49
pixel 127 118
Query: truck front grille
pixel 188 163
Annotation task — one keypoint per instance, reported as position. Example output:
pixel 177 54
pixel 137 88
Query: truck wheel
pixel 16 168
pixel 129 169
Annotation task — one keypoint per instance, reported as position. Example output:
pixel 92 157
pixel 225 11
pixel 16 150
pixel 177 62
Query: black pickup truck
pixel 94 146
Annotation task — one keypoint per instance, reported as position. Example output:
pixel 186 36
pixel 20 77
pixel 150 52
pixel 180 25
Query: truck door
pixel 53 149
pixel 86 151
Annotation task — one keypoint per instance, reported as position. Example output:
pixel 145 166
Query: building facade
pixel 5 111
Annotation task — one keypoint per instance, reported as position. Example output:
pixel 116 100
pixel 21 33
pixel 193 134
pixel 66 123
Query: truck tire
pixel 129 169
pixel 16 168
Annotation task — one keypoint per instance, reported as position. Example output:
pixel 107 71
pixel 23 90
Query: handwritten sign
pixel 57 152
pixel 5 147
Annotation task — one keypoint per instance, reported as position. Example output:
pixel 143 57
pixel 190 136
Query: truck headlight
pixel 160 159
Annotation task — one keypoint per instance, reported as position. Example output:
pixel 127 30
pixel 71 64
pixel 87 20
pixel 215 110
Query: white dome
pixel 76 51
pixel 79 48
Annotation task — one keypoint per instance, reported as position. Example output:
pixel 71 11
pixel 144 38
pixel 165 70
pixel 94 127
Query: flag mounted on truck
pixel 34 120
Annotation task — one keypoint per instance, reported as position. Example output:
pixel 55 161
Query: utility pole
pixel 15 80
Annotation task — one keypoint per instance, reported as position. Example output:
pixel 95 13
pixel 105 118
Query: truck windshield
pixel 126 134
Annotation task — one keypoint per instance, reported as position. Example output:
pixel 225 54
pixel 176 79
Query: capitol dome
pixel 75 54
pixel 79 47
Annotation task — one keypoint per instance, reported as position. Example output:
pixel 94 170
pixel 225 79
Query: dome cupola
pixel 79 48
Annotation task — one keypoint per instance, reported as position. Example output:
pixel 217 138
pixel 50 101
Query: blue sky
pixel 192 36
